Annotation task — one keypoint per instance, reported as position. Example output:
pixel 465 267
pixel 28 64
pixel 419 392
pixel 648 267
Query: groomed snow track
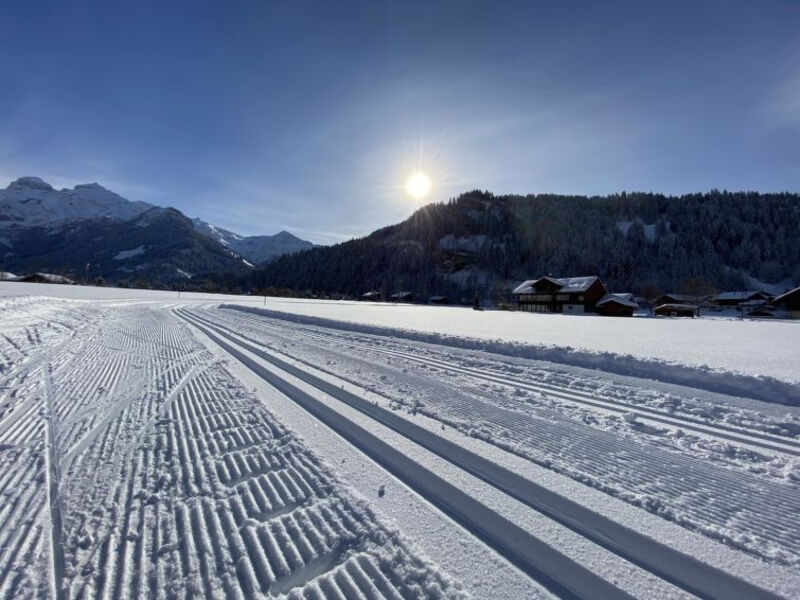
pixel 719 430
pixel 552 568
pixel 721 484
pixel 134 465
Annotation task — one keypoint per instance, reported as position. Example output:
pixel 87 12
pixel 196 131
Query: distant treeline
pixel 485 243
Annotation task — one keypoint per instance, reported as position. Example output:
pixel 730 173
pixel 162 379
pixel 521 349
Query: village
pixel 590 295
pixel 575 296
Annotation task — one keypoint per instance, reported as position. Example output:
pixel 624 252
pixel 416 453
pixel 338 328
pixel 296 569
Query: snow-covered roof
pixel 7 276
pixel 675 305
pixel 738 295
pixel 679 297
pixel 569 285
pixel 623 299
pixel 51 277
pixel 785 296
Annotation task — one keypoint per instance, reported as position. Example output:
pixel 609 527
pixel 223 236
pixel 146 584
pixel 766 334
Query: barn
pixel 675 310
pixel 736 298
pixel 403 296
pixel 617 305
pixel 569 295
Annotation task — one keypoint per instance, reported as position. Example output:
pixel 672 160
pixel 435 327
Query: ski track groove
pixel 175 480
pixel 720 503
pixel 203 325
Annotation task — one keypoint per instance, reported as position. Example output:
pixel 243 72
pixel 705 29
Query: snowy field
pixel 207 446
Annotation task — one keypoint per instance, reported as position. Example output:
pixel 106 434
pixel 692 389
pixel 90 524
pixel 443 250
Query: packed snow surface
pixel 157 445
pixel 754 348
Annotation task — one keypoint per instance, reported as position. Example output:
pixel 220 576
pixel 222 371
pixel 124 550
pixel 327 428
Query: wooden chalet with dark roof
pixel 569 295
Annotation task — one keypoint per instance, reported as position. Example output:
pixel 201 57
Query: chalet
pixel 676 310
pixel 372 295
pixel 790 301
pixel 6 276
pixel 675 299
pixel 403 296
pixel 45 278
pixel 439 300
pixel 737 298
pixel 617 305
pixel 559 295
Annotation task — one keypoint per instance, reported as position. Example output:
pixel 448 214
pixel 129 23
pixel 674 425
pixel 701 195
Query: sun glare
pixel 418 185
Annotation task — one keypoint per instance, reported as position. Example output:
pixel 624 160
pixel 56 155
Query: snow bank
pixel 753 359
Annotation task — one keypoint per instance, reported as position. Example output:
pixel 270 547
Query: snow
pixel 569 285
pixel 411 389
pixel 30 202
pixel 622 298
pixel 255 248
pixel 725 296
pixel 159 444
pixel 649 228
pixel 161 472
pixel 123 254
pixel 759 350
pixel 774 289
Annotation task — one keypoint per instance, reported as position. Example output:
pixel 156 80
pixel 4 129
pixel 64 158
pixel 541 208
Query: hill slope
pixel 486 243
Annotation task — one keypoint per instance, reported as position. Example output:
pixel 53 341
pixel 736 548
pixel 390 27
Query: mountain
pixel 44 229
pixel 31 202
pixel 486 243
pixel 255 248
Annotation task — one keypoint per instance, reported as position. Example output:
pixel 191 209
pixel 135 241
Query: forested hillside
pixel 481 242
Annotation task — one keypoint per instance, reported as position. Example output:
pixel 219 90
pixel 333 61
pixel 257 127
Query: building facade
pixel 569 295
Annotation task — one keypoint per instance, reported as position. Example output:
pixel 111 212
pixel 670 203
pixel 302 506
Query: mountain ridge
pixel 479 242
pixel 42 228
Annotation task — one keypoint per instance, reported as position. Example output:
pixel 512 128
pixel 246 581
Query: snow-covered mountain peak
pixel 30 183
pixel 32 202
pixel 255 248
pixel 91 186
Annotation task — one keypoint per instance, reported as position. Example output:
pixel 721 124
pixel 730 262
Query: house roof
pixel 785 296
pixel 621 299
pixel 568 285
pixel 52 278
pixel 676 306
pixel 743 295
pixel 678 297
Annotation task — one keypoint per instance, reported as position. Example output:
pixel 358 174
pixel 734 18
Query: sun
pixel 418 185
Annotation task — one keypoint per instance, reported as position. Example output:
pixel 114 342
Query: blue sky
pixel 310 116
